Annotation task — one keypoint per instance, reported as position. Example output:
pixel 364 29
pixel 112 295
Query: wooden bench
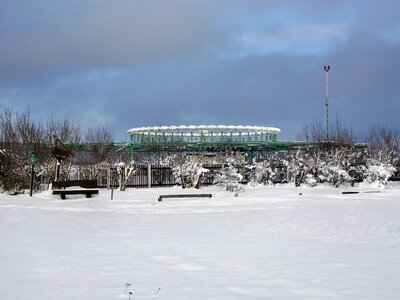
pixel 87 187
pixel 184 196
pixel 366 192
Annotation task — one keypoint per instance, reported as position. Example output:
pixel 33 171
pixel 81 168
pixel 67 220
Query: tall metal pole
pixel 326 69
pixel 32 174
pixel 33 159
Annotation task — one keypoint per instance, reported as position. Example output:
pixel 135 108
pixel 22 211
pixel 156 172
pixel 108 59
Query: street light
pixel 326 69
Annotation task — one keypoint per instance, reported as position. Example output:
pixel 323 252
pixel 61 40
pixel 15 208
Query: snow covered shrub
pixel 379 172
pixel 271 170
pixel 298 167
pixel 261 173
pixel 230 178
pixel 356 173
pixel 189 174
pixel 310 180
pixel 341 165
pixel 335 175
pixel 334 165
pixel 328 169
pixel 384 144
pixel 355 164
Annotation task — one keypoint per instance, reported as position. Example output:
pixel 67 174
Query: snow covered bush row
pixel 310 166
pixel 313 166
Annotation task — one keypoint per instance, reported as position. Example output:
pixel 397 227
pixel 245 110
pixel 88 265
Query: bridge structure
pixel 207 140
pixel 212 139
pixel 202 137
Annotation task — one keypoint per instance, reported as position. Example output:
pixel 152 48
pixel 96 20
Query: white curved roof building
pixel 203 134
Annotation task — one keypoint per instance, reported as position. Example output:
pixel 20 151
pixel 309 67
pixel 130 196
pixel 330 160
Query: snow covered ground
pixel 267 243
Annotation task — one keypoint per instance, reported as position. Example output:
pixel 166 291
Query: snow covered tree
pixel 20 135
pixel 229 177
pixel 384 144
pixel 268 170
pixel 335 174
pixel 261 173
pixel 189 174
pixel 334 169
pixel 97 153
pixel 298 166
pixel 124 171
pixel 338 134
pixel 335 165
pixel 330 160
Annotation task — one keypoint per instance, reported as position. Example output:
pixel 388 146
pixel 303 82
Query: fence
pixel 162 176
pixel 159 176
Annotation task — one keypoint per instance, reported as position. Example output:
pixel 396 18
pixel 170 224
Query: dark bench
pixel 349 193
pixel 185 196
pixel 88 188
pixel 366 192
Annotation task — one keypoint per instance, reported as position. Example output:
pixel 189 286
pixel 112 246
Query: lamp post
pixel 326 69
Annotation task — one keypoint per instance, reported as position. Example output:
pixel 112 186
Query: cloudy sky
pixel 132 63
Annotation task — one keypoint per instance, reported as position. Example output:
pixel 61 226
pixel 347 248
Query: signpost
pixel 113 178
pixel 33 158
pixel 60 154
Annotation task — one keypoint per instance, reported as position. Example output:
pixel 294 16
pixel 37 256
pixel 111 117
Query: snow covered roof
pixel 257 129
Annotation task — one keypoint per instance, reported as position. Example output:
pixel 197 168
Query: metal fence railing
pixel 158 176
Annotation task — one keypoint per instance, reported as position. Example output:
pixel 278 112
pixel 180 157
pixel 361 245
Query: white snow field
pixel 267 243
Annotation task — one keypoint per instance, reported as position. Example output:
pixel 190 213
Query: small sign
pixel 33 158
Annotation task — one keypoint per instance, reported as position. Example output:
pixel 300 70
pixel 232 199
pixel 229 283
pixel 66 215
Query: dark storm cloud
pixel 365 82
pixel 85 35
pixel 249 90
pixel 143 63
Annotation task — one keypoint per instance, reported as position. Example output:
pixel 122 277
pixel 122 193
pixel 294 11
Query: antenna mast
pixel 326 69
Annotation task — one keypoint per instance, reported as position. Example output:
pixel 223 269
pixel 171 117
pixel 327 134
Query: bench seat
pixel 85 187
pixel 184 196
pixel 62 193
